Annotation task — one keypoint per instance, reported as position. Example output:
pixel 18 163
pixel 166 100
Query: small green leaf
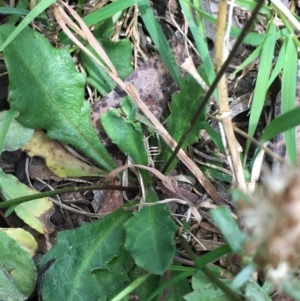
pixel 215 137
pixel 129 135
pixel 255 292
pixel 184 105
pixel 150 235
pixel 86 260
pixel 49 93
pixel 204 289
pixel 18 274
pixel 17 135
pixel 229 228
pixel 118 52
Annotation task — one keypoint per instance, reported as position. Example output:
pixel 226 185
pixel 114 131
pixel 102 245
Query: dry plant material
pixel 230 141
pixel 272 221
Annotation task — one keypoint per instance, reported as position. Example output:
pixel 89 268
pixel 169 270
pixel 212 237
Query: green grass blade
pixel 13 11
pixel 200 44
pixel 288 93
pixel 107 11
pixel 29 18
pixel 281 124
pixel 263 76
pixel 174 280
pixel 249 59
pixel 160 41
pixel 279 64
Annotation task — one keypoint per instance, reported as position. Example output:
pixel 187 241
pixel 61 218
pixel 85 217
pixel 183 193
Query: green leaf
pixel 14 31
pixel 159 40
pixel 35 213
pixel 204 289
pixel 107 11
pixel 18 274
pixel 292 288
pixel 129 136
pixel 177 285
pixel 288 95
pixel 201 44
pixel 150 235
pixel 118 52
pixel 280 124
pixel 229 228
pixel 49 93
pixel 184 105
pixel 264 73
pixel 212 256
pixel 214 135
pixel 86 261
pixel 255 292
pixel 17 135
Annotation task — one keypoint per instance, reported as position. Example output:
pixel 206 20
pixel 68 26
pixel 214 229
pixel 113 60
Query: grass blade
pixel 160 41
pixel 288 93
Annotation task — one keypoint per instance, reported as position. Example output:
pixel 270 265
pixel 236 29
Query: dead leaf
pixel 58 159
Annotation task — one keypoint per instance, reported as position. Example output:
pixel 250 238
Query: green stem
pixel 136 283
pixel 27 198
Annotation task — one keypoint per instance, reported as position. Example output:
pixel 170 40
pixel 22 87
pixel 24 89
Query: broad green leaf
pixel 159 40
pixel 204 289
pixel 255 292
pixel 264 73
pixel 184 105
pixel 118 52
pixel 18 273
pixel 229 228
pixel 17 135
pixel 150 235
pixel 23 238
pixel 35 213
pixel 280 124
pixel 86 261
pixel 129 136
pixel 288 95
pixel 49 93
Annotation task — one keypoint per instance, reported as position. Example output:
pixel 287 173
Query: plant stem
pixel 61 191
pixel 136 283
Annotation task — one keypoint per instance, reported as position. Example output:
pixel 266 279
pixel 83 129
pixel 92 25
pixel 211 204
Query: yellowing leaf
pixel 23 238
pixel 35 213
pixel 58 159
